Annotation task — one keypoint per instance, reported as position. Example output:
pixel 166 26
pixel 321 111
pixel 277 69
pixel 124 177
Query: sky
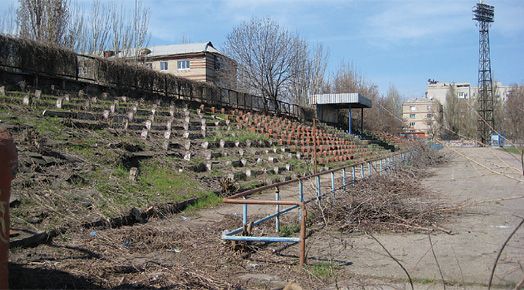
pixel 390 42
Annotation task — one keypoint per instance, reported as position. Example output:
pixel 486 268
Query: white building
pixel 438 91
pixel 419 116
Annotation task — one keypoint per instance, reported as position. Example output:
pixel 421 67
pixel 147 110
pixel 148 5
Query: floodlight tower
pixel 483 14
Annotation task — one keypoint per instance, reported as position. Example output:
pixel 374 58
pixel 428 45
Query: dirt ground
pixel 490 182
pixel 185 250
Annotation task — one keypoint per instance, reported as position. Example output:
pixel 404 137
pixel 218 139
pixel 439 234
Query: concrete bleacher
pixel 250 148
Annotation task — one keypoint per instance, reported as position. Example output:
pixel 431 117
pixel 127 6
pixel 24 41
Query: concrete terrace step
pixel 100 107
pixel 177 124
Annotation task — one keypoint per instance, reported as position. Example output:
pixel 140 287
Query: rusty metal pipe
pixel 302 245
pixel 261 201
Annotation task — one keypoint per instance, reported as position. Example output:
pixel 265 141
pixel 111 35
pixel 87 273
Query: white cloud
pixel 413 21
pixel 509 18
pixel 400 21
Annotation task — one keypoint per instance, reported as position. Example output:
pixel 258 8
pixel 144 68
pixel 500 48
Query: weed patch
pixel 207 201
pixel 323 270
pixel 289 230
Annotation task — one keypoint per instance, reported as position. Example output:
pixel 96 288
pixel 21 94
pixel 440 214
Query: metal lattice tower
pixel 484 13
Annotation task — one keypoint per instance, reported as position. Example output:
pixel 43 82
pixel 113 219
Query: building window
pixel 412 116
pixel 413 108
pixel 412 124
pixel 429 116
pixel 217 62
pixel 163 65
pixel 183 64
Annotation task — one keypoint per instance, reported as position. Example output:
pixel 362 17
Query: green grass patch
pixel 323 270
pixel 289 230
pixel 251 184
pixel 157 183
pixel 207 201
pixel 513 149
pixel 299 166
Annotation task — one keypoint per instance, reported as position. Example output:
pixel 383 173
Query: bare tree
pixel 129 33
pixel 308 75
pixel 459 116
pixel 514 114
pixel 266 55
pixel 97 30
pixel 44 20
pixel 102 26
pixel 451 114
pixel 498 108
pixel 390 109
pixel 348 80
pixel 75 34
pixel 141 17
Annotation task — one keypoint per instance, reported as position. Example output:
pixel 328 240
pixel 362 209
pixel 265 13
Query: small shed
pixel 328 105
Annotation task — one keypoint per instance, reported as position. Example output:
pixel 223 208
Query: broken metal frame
pixel 378 165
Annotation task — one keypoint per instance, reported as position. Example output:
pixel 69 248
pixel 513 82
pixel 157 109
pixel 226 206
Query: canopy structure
pixel 328 105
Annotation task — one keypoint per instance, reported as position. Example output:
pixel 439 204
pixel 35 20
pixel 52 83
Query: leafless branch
pixel 394 259
pixel 436 261
pixel 500 253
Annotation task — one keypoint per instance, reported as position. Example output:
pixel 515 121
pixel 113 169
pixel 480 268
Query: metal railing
pixel 348 176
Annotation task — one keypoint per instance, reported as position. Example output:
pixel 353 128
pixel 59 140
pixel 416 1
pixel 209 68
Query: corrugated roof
pixel 162 50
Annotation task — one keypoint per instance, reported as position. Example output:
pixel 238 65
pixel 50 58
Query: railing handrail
pixel 303 178
pixel 299 204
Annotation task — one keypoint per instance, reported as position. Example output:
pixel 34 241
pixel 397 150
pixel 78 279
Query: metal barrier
pixel 374 166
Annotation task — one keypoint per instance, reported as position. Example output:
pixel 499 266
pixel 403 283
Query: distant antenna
pixel 484 14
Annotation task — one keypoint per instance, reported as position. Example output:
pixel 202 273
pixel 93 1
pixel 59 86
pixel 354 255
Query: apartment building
pixel 420 116
pixel 439 90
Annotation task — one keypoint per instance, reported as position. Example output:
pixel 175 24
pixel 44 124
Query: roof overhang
pixel 341 101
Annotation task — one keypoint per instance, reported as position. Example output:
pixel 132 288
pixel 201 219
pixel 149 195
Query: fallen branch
pixel 394 259
pixel 500 253
pixel 436 261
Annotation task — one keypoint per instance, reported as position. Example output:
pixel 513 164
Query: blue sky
pixel 398 42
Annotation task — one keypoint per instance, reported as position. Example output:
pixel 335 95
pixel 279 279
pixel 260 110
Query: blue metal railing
pixel 379 166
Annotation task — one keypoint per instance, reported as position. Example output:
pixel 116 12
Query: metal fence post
pixel 332 181
pixel 353 175
pixel 300 197
pixel 370 168
pixel 319 192
pixel 333 185
pixel 277 208
pixel 362 173
pixel 344 178
pixel 380 167
pixel 302 246
pixel 244 214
